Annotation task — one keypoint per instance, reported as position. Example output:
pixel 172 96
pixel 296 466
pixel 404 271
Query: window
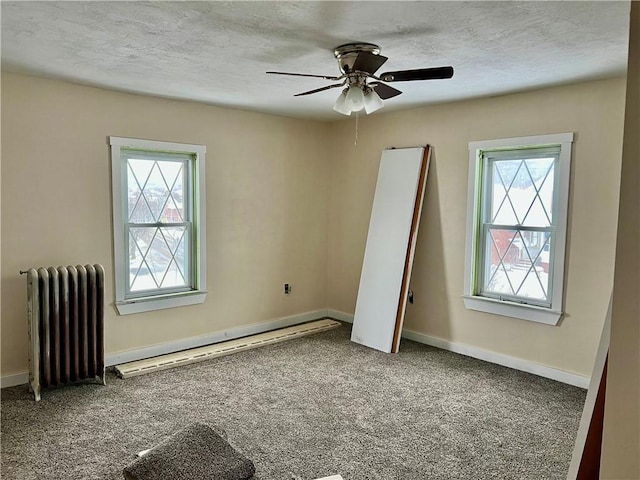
pixel 516 226
pixel 158 224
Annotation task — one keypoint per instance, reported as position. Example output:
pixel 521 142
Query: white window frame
pixel 136 304
pixel 472 300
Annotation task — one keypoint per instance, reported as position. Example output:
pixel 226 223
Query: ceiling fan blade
pixel 368 62
pixel 385 91
pixel 326 77
pixel 420 74
pixel 319 89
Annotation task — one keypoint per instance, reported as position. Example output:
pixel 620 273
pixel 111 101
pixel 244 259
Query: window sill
pixel 513 310
pixel 148 304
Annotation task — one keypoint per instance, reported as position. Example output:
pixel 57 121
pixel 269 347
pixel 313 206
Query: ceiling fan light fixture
pixel 372 101
pixel 355 98
pixel 341 104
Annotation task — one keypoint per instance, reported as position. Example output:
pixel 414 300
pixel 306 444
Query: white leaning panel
pixel 385 254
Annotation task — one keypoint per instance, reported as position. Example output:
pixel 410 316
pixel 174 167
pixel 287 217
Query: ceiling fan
pixel 358 63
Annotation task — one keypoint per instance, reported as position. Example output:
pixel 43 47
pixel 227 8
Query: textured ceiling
pixel 218 52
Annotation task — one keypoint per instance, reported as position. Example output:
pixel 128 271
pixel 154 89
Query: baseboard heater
pixel 193 355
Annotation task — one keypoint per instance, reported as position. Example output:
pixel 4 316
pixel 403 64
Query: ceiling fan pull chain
pixel 355 142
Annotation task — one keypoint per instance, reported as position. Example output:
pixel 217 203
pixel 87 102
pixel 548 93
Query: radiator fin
pixel 193 355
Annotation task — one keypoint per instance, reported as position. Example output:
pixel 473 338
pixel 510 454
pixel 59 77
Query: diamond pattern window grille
pixel 518 226
pixel 158 258
pixel 523 192
pixel 159 226
pixel 518 264
pixel 156 191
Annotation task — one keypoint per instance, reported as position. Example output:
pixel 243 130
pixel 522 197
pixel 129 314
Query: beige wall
pixel 594 111
pixel 266 210
pixel 289 200
pixel 621 436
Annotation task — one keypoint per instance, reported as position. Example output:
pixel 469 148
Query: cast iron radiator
pixel 65 307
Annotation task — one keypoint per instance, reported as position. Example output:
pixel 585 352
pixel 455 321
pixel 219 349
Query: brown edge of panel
pixel 589 468
pixel 408 263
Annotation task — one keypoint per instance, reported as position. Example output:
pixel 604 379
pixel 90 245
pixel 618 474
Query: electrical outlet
pixel 287 288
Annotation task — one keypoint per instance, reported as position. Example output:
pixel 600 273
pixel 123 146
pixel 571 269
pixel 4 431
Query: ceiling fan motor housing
pixel 346 54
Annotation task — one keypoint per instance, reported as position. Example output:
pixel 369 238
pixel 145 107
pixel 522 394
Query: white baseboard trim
pixel 15 379
pixel 500 359
pixel 486 355
pixel 341 316
pixel 187 343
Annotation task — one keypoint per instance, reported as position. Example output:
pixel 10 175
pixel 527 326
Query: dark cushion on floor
pixel 195 453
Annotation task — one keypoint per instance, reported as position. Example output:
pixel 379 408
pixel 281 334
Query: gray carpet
pixel 308 408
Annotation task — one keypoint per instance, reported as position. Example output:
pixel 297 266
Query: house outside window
pixel 516 226
pixel 159 224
